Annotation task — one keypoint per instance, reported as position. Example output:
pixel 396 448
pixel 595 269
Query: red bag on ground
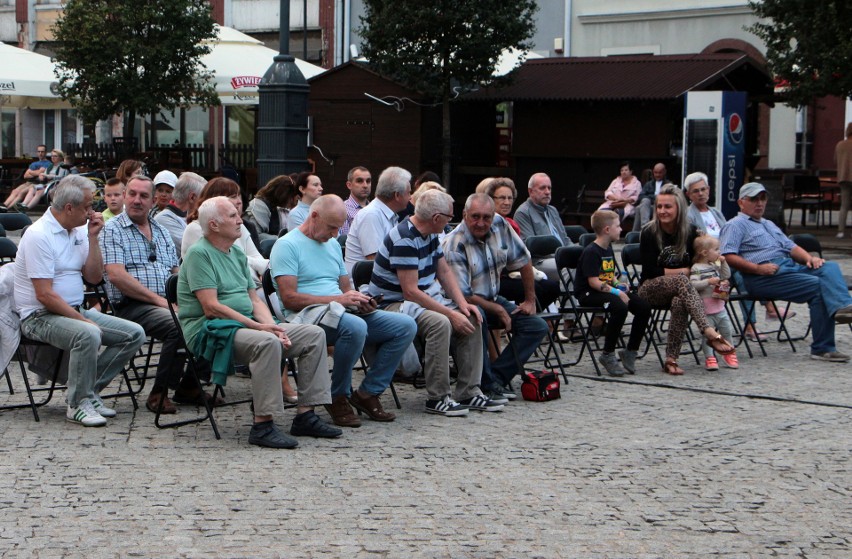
pixel 540 386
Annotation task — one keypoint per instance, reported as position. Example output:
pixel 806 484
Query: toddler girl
pixel 710 276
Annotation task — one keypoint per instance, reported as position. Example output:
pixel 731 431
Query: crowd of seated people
pixel 433 288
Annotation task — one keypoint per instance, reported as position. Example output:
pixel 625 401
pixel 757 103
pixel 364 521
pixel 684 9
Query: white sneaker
pixel 85 415
pixel 102 408
pixel 840 235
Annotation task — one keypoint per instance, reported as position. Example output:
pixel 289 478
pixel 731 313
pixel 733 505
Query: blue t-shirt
pixel 36 165
pixel 317 266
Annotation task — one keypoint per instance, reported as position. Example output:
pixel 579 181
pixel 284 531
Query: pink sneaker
pixel 731 361
pixel 711 364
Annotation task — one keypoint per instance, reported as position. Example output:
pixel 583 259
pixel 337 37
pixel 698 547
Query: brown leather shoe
pixel 341 412
pixel 154 401
pixel 370 405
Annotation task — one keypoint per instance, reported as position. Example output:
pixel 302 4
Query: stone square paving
pixel 752 462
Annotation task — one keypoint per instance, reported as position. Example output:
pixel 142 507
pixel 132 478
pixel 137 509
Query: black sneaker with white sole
pixel 509 392
pixel 446 406
pixel 496 395
pixel 482 402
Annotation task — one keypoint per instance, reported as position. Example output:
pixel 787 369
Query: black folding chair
pixel 586 239
pixel 807 194
pixel 362 271
pixel 15 221
pixel 574 232
pixel 632 267
pixel 28 346
pixel 171 298
pixel 542 245
pixel 811 244
pixel 567 259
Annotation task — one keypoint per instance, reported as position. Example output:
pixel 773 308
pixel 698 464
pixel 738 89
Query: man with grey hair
pixel 774 267
pixel 478 251
pixel 407 265
pixel 370 226
pixel 536 217
pixel 173 217
pixel 55 255
pixel 216 292
pixel 645 204
pixel 359 182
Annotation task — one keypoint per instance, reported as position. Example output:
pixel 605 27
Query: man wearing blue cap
pixel 774 267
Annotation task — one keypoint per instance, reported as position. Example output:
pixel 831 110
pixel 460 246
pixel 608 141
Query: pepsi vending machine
pixel 714 143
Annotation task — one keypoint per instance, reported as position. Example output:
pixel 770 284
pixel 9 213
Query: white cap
pixel 165 177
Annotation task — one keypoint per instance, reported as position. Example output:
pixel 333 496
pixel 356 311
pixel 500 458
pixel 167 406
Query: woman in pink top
pixel 622 192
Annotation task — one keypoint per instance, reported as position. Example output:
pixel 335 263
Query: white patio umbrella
pixel 27 80
pixel 239 62
pixel 510 59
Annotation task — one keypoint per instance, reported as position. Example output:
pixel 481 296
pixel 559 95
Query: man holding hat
pixel 164 185
pixel 774 267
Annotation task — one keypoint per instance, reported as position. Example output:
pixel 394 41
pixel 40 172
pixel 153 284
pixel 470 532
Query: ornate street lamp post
pixel 282 127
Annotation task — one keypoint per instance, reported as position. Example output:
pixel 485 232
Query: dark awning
pixel 630 78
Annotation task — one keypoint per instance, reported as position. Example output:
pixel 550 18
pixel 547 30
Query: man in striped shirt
pixel 410 273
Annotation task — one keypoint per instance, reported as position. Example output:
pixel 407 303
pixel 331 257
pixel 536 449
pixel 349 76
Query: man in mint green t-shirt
pixel 215 283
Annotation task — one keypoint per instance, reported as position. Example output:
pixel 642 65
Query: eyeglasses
pixel 152 251
pixel 504 198
pixel 448 216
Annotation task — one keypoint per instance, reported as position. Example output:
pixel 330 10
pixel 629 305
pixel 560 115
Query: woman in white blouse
pixel 221 186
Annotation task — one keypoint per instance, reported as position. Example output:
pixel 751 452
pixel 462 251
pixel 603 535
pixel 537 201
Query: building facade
pixel 325 32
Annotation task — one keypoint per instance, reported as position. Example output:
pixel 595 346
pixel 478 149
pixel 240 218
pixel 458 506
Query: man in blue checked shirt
pixel 774 267
pixel 478 251
pixel 139 256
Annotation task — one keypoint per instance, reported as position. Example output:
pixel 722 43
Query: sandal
pixel 777 314
pixel 755 336
pixel 671 367
pixel 718 343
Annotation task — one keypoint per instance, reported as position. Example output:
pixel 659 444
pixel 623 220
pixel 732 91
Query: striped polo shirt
pixel 404 248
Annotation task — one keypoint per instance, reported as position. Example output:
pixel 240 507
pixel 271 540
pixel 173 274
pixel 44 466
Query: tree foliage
pixel 430 46
pixel 138 57
pixel 808 46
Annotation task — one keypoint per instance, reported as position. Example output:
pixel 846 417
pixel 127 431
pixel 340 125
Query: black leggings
pixel 638 307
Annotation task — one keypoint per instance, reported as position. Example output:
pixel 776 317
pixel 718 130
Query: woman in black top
pixel 666 253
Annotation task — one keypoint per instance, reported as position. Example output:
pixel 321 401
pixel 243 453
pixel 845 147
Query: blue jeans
pixel 121 340
pixel 527 333
pixel 390 332
pixel 823 289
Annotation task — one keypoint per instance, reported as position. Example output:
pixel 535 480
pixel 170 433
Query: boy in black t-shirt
pixel 596 285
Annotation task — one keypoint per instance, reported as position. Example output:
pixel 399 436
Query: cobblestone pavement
pixel 657 466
